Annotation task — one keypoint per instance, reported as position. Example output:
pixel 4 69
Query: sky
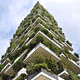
pixel 66 12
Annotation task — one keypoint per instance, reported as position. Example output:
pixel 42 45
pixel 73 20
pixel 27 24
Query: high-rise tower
pixel 39 51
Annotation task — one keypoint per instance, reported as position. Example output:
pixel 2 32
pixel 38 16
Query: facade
pixel 39 51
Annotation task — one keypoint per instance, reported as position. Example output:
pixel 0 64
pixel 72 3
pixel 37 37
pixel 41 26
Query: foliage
pixel 21 77
pixel 32 68
pixel 3 56
pixel 36 29
pixel 52 65
pixel 60 67
pixel 32 35
pixel 31 45
pixel 18 32
pixel 17 53
pixel 18 65
pixel 52 47
pixel 41 62
pixel 76 55
pixel 12 45
pixel 3 65
pixel 4 77
pixel 45 31
pixel 69 43
pixel 39 59
pixel 50 35
pixel 39 39
pixel 73 76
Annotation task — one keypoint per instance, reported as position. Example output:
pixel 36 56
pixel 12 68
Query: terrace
pixel 71 65
pixel 10 70
pixel 6 66
pixel 40 49
pixel 43 75
pixel 22 71
pixel 64 74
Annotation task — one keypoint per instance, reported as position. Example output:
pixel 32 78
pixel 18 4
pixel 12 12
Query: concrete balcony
pixel 39 33
pixel 58 42
pixel 38 20
pixel 40 49
pixel 73 56
pixel 6 61
pixel 43 27
pixel 70 47
pixel 71 65
pixel 9 70
pixel 43 75
pixel 22 71
pixel 64 74
pixel 7 65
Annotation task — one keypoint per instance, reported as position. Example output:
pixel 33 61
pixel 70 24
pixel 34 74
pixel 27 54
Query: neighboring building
pixel 39 51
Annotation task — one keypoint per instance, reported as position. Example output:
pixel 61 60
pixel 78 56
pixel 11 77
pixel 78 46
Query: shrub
pixel 32 36
pixel 38 21
pixel 12 45
pixel 52 65
pixel 52 47
pixel 21 77
pixel 16 53
pixel 73 76
pixel 1 67
pixel 60 67
pixel 18 65
pixel 61 39
pixel 69 43
pixel 48 44
pixel 32 68
pixel 21 41
pixel 33 20
pixel 3 56
pixel 37 67
pixel 31 46
pixel 36 29
pixel 18 32
pixel 50 36
pixel 39 59
pixel 76 55
pixel 39 39
pixel 44 31
pixel 45 25
pixel 42 62
pixel 52 28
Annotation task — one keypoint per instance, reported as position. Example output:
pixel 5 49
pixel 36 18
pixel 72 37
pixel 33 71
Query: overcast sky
pixel 66 12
